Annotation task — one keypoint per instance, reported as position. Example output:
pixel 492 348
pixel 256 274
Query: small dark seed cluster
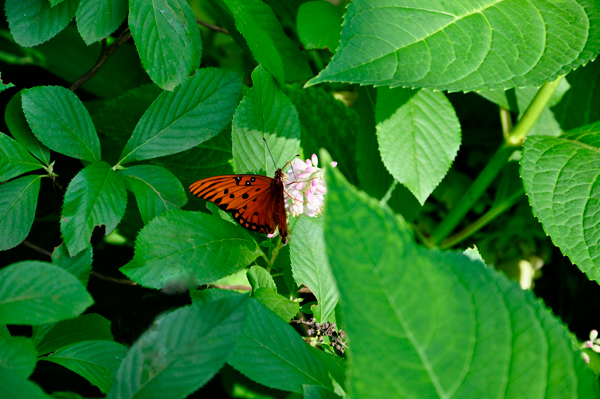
pixel 336 337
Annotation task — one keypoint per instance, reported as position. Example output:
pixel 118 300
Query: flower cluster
pixel 326 329
pixel 305 186
pixel 593 343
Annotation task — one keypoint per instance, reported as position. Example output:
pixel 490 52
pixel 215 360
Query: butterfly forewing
pixel 255 201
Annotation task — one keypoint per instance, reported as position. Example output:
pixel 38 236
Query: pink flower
pixel 300 196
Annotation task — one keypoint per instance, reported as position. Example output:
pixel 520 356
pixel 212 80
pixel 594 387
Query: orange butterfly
pixel 256 202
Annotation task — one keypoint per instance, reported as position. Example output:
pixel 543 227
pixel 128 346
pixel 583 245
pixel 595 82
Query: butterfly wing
pixel 250 198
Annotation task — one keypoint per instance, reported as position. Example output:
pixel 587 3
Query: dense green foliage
pixel 452 123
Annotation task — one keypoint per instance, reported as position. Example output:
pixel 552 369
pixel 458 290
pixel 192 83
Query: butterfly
pixel 256 202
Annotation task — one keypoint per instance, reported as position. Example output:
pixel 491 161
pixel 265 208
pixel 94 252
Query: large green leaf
pixel 265 112
pixel 14 159
pixel 79 265
pixel 561 176
pixel 33 292
pixel 267 41
pixel 319 25
pixel 271 352
pixel 59 120
pixel 15 386
pixel 20 130
pixel 167 37
pixel 156 190
pixel 419 136
pixel 96 361
pixel 327 123
pixel 451 45
pixel 181 351
pixel 17 354
pixel 311 267
pixel 96 19
pixel 32 22
pixel 96 196
pixel 438 324
pixel 193 113
pixel 50 337
pixel 580 105
pixel 191 246
pixel 18 200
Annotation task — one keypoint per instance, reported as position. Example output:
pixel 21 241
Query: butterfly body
pixel 255 201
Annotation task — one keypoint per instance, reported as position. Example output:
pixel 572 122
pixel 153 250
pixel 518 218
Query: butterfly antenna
pixel 268 149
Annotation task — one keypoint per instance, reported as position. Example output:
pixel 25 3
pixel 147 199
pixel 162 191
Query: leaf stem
pixel 506 122
pixel 212 27
pixel 482 221
pixel 539 103
pixel 470 197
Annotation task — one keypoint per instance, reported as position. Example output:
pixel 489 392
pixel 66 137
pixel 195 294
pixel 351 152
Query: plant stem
pixel 482 221
pixel 512 140
pixel 470 197
pixel 506 122
pixel 539 103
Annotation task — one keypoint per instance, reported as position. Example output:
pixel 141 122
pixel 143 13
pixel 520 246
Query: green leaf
pixel 319 25
pixel 96 196
pixel 268 343
pixel 445 326
pixel 14 159
pixel 20 130
pixel 267 41
pixel 580 105
pixel 18 200
pixel 49 338
pixel 96 19
pixel 79 265
pixel 32 22
pixel 167 37
pixel 318 392
pixel 14 386
pixel 412 126
pixel 311 267
pixel 192 246
pixel 281 306
pixel 96 361
pixel 182 350
pixel 17 354
pixel 59 120
pixel 4 86
pixel 156 190
pixel 66 395
pixel 265 112
pixel 203 104
pixel 33 292
pixel 260 278
pixel 450 46
pixel 327 123
pixel 560 176
pixel 67 56
pixel 211 158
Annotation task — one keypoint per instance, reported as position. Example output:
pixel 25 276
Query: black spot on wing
pixel 244 196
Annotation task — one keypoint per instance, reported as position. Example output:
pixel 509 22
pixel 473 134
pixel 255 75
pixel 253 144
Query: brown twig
pixel 232 287
pixel 93 273
pixel 112 279
pixel 37 249
pixel 212 27
pixel 104 55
